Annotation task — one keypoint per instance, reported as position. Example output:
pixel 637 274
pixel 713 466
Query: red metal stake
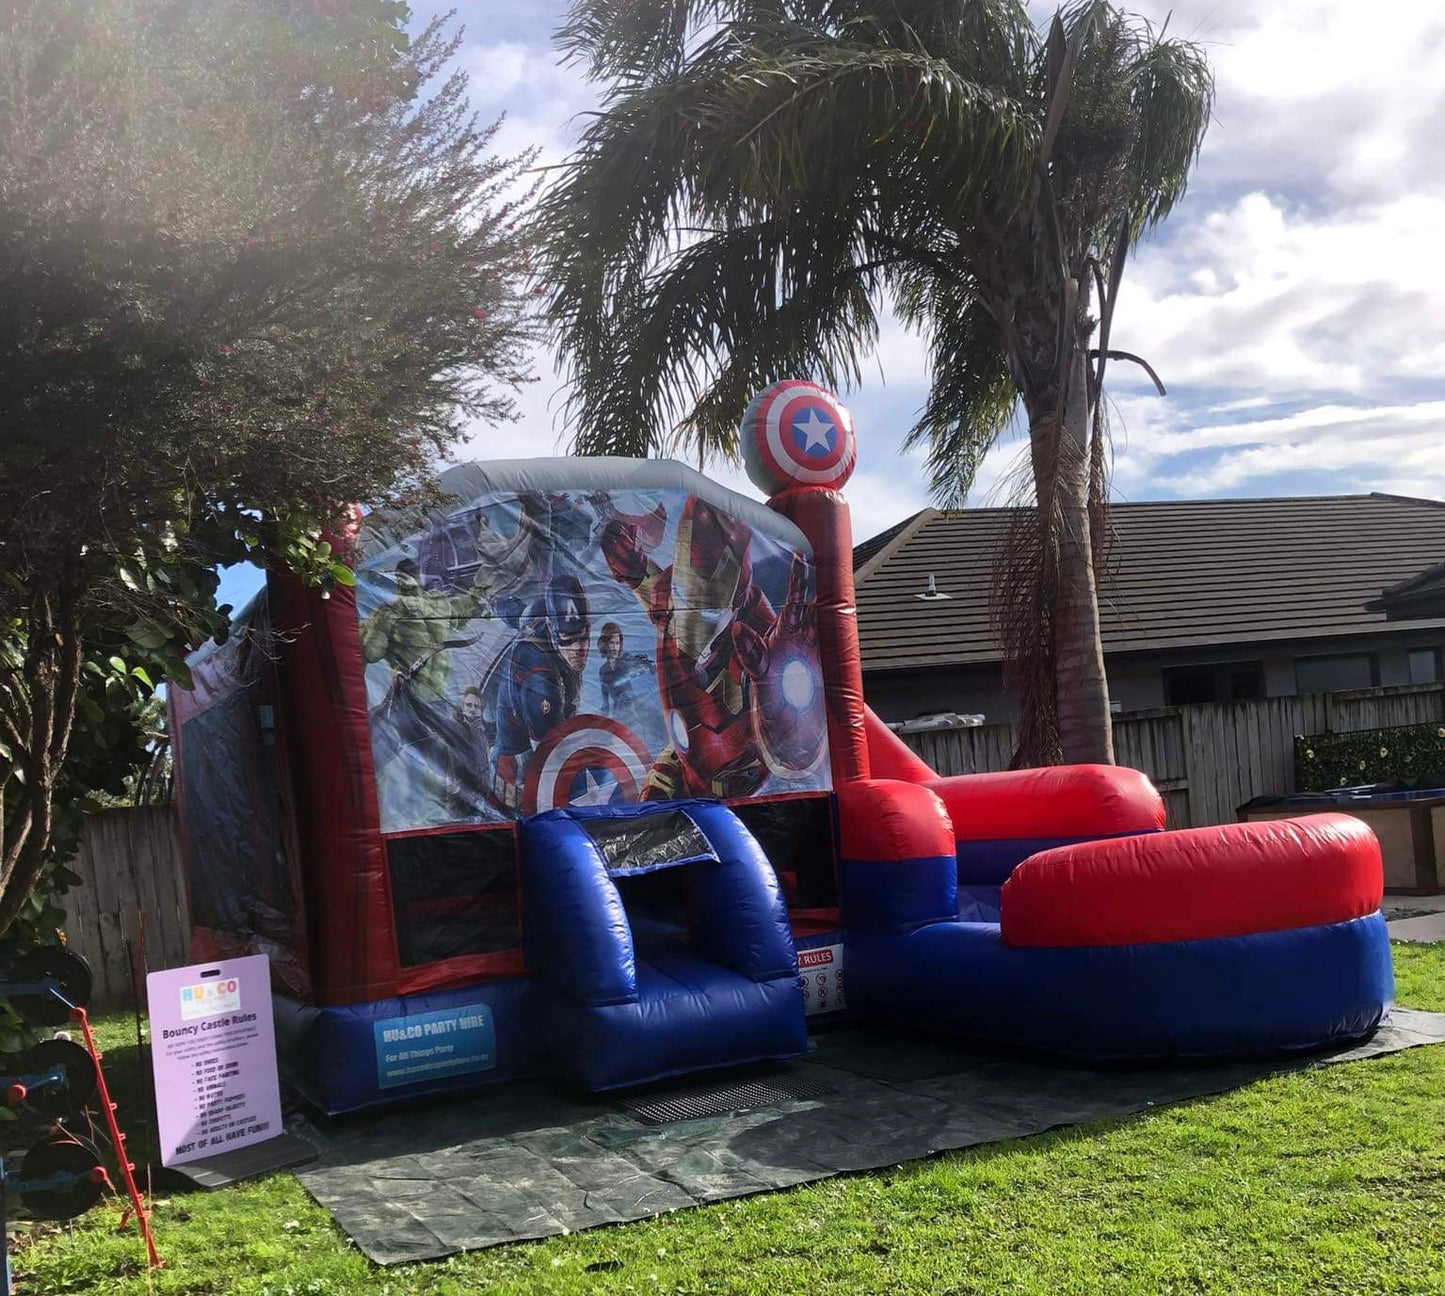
pixel 137 1206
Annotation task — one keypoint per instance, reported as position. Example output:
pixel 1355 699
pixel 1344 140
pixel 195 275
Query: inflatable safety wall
pixel 232 786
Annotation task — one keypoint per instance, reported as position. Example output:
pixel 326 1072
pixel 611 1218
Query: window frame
pixel 1220 674
pixel 1433 652
pixel 1310 659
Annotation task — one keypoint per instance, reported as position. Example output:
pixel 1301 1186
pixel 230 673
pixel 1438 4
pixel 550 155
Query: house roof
pixel 1422 595
pixel 1180 574
pixel 872 547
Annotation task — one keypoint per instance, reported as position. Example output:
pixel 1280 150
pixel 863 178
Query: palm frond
pixel 972 397
pixel 814 121
pixel 1172 96
pixel 712 215
pixel 683 353
pixel 822 322
pixel 629 39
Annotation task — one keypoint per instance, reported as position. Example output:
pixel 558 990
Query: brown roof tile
pixel 1181 574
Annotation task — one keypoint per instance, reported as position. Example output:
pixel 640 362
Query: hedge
pixel 1403 752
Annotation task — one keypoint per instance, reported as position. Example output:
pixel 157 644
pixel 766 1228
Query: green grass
pixel 1329 1180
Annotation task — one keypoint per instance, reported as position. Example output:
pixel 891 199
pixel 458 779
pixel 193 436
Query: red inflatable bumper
pixel 884 819
pixel 1064 801
pixel 1057 801
pixel 1195 884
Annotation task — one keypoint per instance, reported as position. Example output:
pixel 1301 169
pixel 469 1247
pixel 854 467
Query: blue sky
pixel 1294 304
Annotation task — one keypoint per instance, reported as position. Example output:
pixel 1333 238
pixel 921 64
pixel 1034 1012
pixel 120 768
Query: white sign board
pixel 821 970
pixel 213 1051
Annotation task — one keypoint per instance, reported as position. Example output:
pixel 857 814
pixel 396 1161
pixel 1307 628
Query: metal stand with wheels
pixel 63 1174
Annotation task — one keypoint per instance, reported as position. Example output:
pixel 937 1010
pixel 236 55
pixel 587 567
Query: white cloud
pixel 1411 465
pixel 1336 97
pixel 1335 304
pixel 1163 449
pixel 506 71
pixel 543 100
pixel 1429 414
pixel 884 493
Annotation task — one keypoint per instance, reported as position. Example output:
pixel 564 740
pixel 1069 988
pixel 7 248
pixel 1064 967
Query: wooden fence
pixel 130 870
pixel 1209 759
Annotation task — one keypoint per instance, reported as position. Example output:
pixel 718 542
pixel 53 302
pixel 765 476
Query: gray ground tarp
pixel 526 1162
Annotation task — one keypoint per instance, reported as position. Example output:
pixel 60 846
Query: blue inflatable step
pixel 660 942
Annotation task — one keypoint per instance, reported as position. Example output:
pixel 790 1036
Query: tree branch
pixel 1059 92
pixel 1108 298
pixel 1138 360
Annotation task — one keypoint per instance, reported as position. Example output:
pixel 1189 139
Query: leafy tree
pixel 254 266
pixel 764 174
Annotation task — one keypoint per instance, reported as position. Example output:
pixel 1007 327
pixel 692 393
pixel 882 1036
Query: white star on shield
pixel 596 791
pixel 816 432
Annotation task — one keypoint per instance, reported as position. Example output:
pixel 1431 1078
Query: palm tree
pixel 765 174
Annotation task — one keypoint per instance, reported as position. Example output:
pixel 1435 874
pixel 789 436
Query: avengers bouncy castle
pixel 579 780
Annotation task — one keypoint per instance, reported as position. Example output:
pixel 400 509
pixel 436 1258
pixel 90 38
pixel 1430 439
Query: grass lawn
pixel 1330 1180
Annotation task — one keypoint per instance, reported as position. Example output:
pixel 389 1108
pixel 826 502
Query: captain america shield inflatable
pixel 797 433
pixel 587 760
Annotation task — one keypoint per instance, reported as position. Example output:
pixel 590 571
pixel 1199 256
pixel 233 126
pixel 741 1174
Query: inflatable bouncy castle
pixel 579 781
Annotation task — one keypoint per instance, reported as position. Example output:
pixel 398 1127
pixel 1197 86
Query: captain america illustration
pixel 539 680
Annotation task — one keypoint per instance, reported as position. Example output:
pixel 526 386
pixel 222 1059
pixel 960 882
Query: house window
pixel 1225 682
pixel 1424 665
pixel 1335 674
pixel 1184 688
pixel 1244 681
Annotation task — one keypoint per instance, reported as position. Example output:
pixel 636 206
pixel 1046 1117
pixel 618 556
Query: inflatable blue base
pixel 661 946
pixel 371 1054
pixel 1271 992
pixel 689 1015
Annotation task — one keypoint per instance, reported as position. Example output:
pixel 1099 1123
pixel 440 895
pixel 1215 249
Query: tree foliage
pixel 259 260
pixel 766 174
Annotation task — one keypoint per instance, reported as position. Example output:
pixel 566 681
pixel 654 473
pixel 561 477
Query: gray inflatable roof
pixel 381 532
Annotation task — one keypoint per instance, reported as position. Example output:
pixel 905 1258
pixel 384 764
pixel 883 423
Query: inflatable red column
pixel 798 445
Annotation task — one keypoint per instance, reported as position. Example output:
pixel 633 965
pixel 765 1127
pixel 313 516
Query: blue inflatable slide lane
pixel 660 942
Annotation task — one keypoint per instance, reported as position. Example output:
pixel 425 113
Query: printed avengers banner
pixel 536 649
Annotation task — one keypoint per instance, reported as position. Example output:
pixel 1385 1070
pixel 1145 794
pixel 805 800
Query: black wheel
pixel 69 971
pixel 70 1059
pixel 66 1165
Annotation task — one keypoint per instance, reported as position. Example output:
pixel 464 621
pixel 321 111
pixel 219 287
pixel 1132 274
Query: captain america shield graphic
pixel 803 435
pixel 587 760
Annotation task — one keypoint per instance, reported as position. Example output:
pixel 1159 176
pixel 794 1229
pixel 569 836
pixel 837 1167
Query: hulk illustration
pixel 412 632
pixel 412 635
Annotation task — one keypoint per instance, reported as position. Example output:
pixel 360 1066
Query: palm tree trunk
pixel 1081 689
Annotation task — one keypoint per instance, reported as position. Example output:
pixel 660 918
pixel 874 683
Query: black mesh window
pixel 796 835
pixel 646 842
pixel 237 879
pixel 454 893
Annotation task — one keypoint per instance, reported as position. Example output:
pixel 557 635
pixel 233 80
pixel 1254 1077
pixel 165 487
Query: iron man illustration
pixel 737 680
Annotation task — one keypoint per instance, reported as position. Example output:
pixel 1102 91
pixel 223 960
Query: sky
pixel 1293 304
